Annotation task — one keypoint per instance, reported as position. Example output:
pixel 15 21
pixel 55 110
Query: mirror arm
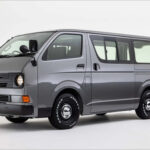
pixel 33 62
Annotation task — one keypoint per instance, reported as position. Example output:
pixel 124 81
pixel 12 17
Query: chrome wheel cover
pixel 66 111
pixel 147 105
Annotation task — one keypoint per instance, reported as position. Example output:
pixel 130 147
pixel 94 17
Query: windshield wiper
pixel 19 55
pixel 5 56
pixel 27 54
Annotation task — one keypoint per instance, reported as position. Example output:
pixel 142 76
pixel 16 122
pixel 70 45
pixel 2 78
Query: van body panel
pixel 6 65
pixel 57 75
pixel 16 107
pixel 113 86
pixel 30 85
pixel 142 78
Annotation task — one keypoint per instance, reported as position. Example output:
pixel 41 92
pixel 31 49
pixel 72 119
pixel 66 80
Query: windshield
pixel 32 43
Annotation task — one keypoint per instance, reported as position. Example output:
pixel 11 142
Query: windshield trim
pixel 34 33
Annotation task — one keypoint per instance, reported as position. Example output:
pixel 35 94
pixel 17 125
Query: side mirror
pixel 24 49
pixel 33 45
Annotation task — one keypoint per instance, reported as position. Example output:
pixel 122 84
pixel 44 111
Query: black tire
pixel 142 111
pixel 101 114
pixel 17 120
pixel 57 115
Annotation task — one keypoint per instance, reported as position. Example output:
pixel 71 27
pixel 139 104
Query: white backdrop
pixel 112 16
pixel 113 131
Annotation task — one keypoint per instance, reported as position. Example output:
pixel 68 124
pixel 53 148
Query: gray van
pixel 66 73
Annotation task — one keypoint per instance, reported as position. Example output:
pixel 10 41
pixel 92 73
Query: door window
pixel 65 46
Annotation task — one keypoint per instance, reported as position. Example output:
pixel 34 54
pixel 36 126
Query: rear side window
pixel 112 51
pixel 106 50
pixel 65 46
pixel 142 51
pixel 100 49
pixel 123 51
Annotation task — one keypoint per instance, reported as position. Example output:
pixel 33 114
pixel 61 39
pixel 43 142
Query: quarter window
pixel 142 51
pixel 123 50
pixel 65 46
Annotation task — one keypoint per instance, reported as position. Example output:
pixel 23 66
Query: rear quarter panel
pixel 142 78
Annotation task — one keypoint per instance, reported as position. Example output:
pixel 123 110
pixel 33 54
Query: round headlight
pixel 19 80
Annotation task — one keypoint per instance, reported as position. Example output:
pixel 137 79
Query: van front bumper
pixel 14 105
pixel 12 109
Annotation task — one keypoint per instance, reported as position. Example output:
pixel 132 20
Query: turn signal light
pixel 26 99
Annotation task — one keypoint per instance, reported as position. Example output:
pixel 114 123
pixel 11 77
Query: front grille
pixel 4 75
pixel 7 80
pixel 3 84
pixel 4 98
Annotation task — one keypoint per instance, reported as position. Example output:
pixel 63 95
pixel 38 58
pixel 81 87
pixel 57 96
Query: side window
pixel 123 51
pixel 111 51
pixel 142 51
pixel 100 49
pixel 65 46
pixel 106 50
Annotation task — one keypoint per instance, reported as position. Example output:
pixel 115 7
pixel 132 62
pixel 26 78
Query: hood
pixel 13 64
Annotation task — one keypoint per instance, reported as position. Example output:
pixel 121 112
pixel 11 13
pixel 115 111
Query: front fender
pixel 67 85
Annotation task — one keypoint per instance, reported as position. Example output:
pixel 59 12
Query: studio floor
pixel 113 131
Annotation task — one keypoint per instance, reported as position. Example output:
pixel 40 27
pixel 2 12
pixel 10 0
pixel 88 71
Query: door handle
pixel 80 66
pixel 96 66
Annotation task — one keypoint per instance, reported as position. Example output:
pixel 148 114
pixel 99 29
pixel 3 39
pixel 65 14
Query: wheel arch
pixel 144 87
pixel 74 93
pixel 72 88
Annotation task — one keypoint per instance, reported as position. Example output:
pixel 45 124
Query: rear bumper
pixel 12 109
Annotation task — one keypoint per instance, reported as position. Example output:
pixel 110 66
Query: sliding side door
pixel 113 79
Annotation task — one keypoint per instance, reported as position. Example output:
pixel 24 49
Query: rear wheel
pixel 143 111
pixel 65 112
pixel 17 120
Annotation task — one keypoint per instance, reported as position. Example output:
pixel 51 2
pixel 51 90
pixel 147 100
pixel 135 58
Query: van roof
pixel 105 33
pixel 99 32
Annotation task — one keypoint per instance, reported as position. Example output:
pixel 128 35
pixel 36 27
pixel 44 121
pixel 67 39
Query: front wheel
pixel 143 111
pixel 17 120
pixel 65 112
